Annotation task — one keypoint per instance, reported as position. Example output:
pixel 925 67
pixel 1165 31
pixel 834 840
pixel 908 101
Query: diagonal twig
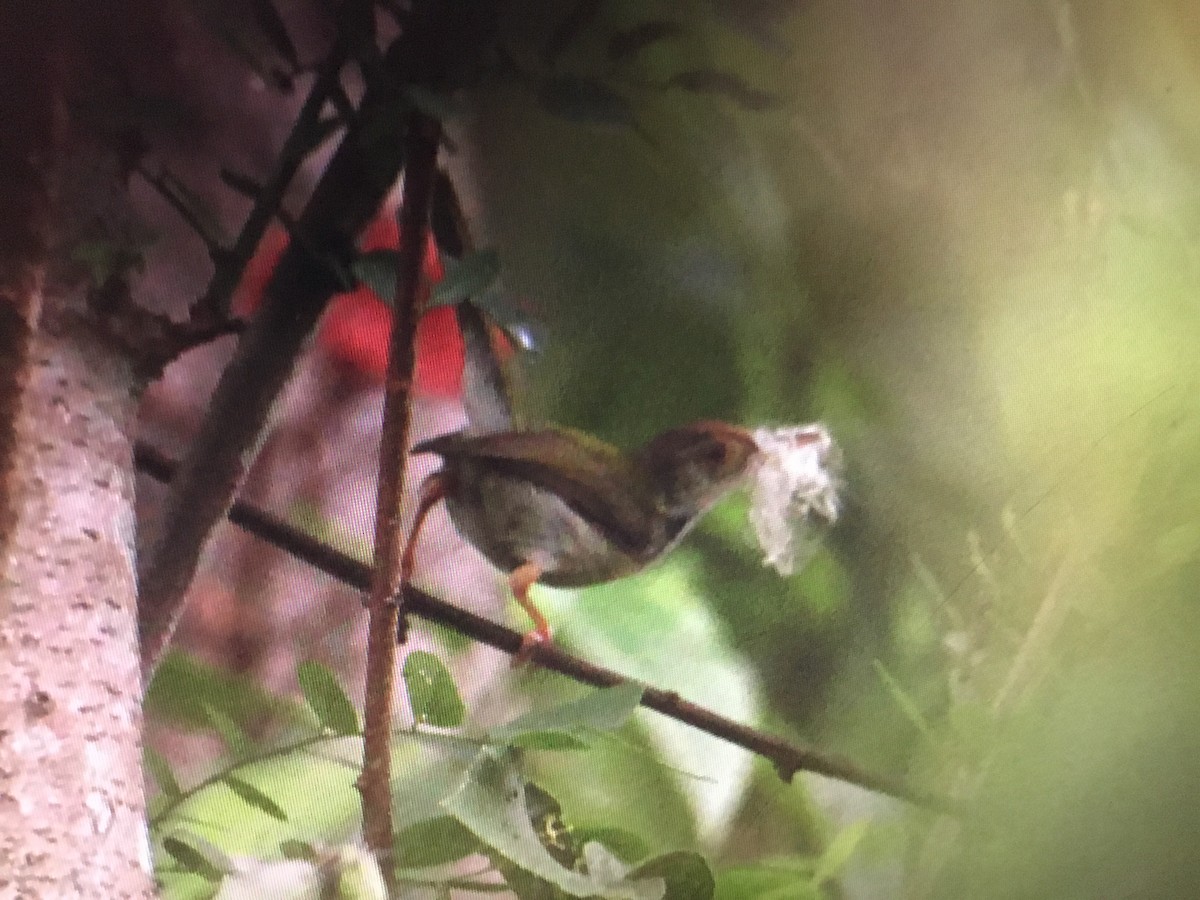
pixel 185 204
pixel 788 757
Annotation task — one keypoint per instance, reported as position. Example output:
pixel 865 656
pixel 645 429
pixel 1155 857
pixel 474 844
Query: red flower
pixel 357 325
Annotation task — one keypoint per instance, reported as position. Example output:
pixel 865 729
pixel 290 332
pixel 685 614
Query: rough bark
pixel 31 120
pixel 72 804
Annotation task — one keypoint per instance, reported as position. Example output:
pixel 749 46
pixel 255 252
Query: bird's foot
pixel 521 579
pixel 529 643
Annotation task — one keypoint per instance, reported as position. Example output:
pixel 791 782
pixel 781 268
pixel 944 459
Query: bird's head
pixel 692 467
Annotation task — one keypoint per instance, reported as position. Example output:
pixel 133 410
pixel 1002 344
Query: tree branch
pixel 788 757
pixel 387 621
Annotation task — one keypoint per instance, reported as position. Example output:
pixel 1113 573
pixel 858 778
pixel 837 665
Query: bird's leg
pixel 521 579
pixel 433 489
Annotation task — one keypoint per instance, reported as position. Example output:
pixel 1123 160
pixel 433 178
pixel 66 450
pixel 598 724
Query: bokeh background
pixel 966 239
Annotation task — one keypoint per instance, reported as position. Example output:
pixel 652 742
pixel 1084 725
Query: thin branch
pixel 214 303
pixel 788 757
pixel 447 219
pixel 387 618
pixel 181 199
pixel 150 340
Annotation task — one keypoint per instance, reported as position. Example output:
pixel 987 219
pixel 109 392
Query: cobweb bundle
pixel 794 492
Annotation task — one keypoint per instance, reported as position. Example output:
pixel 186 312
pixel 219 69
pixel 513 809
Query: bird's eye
pixel 715 453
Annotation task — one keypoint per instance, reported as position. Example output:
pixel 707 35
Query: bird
pixel 558 506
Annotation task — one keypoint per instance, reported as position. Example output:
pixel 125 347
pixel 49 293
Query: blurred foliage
pixel 965 238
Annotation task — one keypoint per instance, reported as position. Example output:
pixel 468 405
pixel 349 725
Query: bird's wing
pixel 592 477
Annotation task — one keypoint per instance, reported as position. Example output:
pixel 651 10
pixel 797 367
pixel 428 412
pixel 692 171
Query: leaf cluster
pixel 282 814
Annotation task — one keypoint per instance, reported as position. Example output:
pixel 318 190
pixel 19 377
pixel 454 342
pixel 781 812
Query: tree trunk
pixel 72 806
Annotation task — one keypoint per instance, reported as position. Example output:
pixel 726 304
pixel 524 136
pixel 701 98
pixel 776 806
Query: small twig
pixel 1035 645
pixel 386 617
pixel 447 219
pixel 215 302
pixel 788 757
pixel 150 340
pixel 181 199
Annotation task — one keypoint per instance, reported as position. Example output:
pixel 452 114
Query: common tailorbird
pixel 562 507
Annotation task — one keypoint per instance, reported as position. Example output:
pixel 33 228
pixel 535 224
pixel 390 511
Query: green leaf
pixel 568 725
pixel 326 698
pixel 686 874
pixel 294 849
pixel 466 277
pixel 659 629
pixel 198 856
pixel 839 851
pixel 781 879
pixel 491 803
pixel 255 798
pixel 417 795
pixel 160 769
pixel 105 257
pixel 548 740
pixel 906 703
pixel 736 889
pixel 431 691
pixel 359 877
pixel 585 101
pixel 724 84
pixel 434 842
pixel 184 689
pixel 376 269
pixel 628 43
pixel 582 14
pixel 762 21
pixel 234 738
pixel 312 781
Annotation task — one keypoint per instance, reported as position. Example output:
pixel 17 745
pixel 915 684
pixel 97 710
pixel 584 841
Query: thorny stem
pixel 386 618
pixel 788 757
